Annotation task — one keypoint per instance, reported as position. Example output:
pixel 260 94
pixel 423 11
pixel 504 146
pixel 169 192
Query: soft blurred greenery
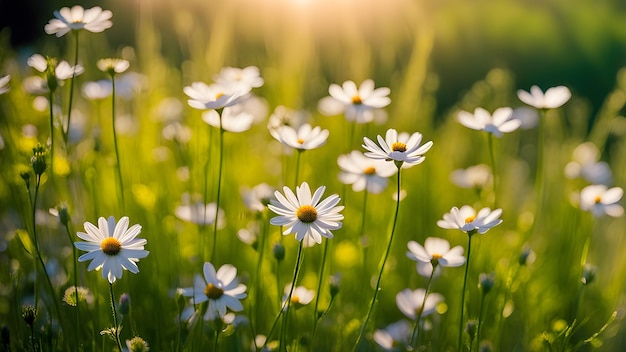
pixel 437 58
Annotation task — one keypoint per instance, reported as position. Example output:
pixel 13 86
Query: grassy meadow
pixel 550 277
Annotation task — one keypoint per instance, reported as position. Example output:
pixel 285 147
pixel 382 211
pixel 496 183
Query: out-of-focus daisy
pixel 215 96
pixel 257 198
pixel 600 200
pixel 97 90
pixel 233 119
pixel 553 97
pixel 221 288
pixel 57 71
pixel 476 176
pixel 306 216
pixel 402 148
pixel 410 302
pixel 300 297
pixel 200 213
pixel 394 336
pixel 176 131
pixel 426 269
pixel 36 85
pixel 113 66
pixel 468 220
pixel 364 173
pixel 4 84
pixel 500 122
pixel 358 104
pixel 250 235
pixel 436 250
pixel 528 117
pixel 112 247
pixel 285 116
pixel 585 164
pixel 240 78
pixel 93 20
pixel 137 344
pixel 303 138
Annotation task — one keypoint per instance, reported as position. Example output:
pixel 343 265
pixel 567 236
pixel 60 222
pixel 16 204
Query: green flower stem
pixel 219 188
pixel 117 327
pixel 494 171
pixel 469 248
pixel 69 237
pixel 480 319
pixel 66 132
pixel 540 172
pixel 319 289
pixel 361 229
pixel 298 156
pixel 51 109
pixel 216 345
pixel 120 184
pixel 283 347
pixel 421 311
pixel 381 266
pixel 257 279
pixel 288 303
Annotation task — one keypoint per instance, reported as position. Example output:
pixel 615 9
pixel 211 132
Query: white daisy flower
pixel 97 90
pixel 585 164
pixel 553 98
pixel 94 20
pixel 62 70
pixel 213 96
pixel 476 176
pixel 402 148
pixel 200 213
pixel 306 216
pixel 303 138
pixel 436 250
pixel 4 84
pixel 468 220
pixel 285 116
pixel 113 66
pixel 600 200
pixel 364 173
pixel 257 198
pixel 358 104
pixel 240 78
pixel 221 288
pixel 393 335
pixel 500 122
pixel 300 297
pixel 112 247
pixel 410 302
pixel 234 119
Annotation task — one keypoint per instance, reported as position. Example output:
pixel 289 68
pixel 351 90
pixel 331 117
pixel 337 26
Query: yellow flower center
pixel 111 246
pixel 398 147
pixel 356 100
pixel 469 219
pixel 597 199
pixel 307 214
pixel 370 170
pixel 300 141
pixel 437 256
pixel 295 299
pixel 219 95
pixel 213 292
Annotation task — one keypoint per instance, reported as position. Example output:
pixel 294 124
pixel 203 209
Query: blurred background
pixel 578 43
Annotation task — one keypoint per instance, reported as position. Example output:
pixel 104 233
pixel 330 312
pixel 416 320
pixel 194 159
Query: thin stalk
pixel 480 319
pixel 219 188
pixel 51 109
pixel 381 267
pixel 293 285
pixel 120 185
pixel 298 156
pixel 319 290
pixel 494 171
pixel 66 132
pixel 69 237
pixel 361 229
pixel 540 175
pixel 117 330
pixel 421 311
pixel 469 249
pixel 286 309
pixel 216 345
pixel 257 282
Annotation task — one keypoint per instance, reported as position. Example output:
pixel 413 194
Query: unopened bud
pixel 29 314
pixel 589 274
pixel 279 251
pixel 38 160
pixel 486 282
pixel 124 306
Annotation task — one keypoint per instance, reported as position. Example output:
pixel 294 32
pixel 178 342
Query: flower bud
pixel 124 306
pixel 470 328
pixel 64 214
pixel 486 282
pixel 25 175
pixel 29 314
pixel 279 251
pixel 335 281
pixel 589 273
pixel 137 344
pixel 38 160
